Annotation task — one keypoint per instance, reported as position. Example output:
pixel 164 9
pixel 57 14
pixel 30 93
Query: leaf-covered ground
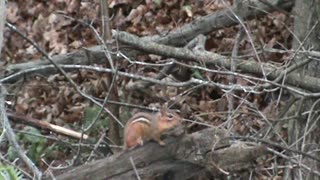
pixel 55 26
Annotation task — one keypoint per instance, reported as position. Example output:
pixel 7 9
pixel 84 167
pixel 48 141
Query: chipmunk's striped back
pixel 144 126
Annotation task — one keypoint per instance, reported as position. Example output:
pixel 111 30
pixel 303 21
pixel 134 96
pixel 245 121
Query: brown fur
pixel 146 126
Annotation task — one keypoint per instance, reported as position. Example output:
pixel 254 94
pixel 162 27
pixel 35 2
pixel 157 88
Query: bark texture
pixel 205 154
pixel 304 132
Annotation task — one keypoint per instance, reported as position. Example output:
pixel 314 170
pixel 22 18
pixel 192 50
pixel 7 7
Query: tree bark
pixel 205 154
pixel 304 132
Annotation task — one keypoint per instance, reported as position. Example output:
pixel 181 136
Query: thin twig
pixel 247 31
pixel 114 131
pixel 267 142
pixel 299 164
pixel 235 51
pixel 74 85
pixel 5 161
pixel 192 81
pixel 175 84
pixel 106 29
pixel 134 168
pixel 12 137
pixel 2 21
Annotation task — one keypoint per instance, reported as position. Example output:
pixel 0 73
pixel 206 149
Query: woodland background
pixel 243 74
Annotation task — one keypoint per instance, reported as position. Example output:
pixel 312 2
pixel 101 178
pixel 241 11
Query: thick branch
pixel 245 10
pixel 217 20
pixel 246 66
pixel 180 155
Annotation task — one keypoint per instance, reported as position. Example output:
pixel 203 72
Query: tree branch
pixel 12 137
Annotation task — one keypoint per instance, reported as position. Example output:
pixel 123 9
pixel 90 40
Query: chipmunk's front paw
pixel 162 143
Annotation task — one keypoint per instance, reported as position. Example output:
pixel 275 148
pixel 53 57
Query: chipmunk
pixel 145 126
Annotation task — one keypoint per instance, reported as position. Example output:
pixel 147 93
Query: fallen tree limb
pixel 245 9
pixel 204 25
pixel 203 153
pixel 217 20
pixel 209 58
pixel 95 55
pixel 305 80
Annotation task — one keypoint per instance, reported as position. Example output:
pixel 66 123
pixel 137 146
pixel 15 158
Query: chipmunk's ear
pixel 164 109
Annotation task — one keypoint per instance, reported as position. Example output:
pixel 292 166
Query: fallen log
pixel 207 153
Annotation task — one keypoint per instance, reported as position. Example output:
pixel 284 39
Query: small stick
pixel 46 125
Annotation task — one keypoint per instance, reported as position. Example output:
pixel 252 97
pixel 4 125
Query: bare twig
pixel 5 161
pixel 134 168
pixel 114 131
pixel 2 20
pixel 211 59
pixel 74 85
pixel 235 51
pixel 299 164
pixel 112 92
pixel 191 82
pixel 12 137
pixel 100 39
pixel 46 125
pixel 277 146
pixel 106 29
pixel 247 31
pixel 196 43
pixel 175 84
pixel 96 146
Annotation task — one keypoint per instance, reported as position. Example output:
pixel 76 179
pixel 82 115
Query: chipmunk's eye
pixel 170 116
